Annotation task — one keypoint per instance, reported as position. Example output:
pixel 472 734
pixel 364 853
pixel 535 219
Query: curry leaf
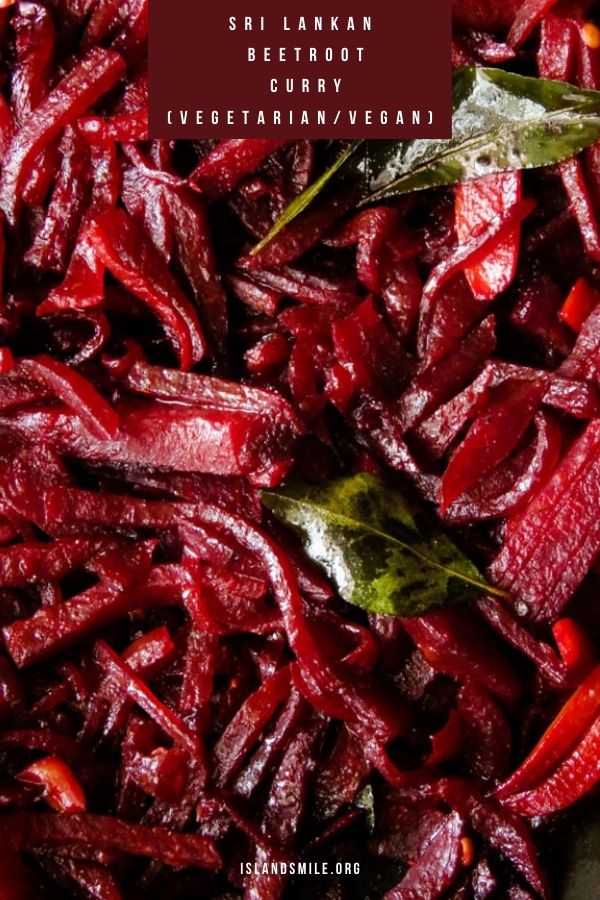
pixel 501 121
pixel 381 552
pixel 303 200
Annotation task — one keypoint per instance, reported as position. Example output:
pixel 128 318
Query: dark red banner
pixel 309 69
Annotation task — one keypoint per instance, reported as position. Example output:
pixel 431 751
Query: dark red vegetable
pixel 550 545
pixel 527 17
pixel 458 646
pixel 29 562
pixel 55 239
pixel 476 203
pixel 99 71
pixel 125 251
pixel 433 873
pixel 55 627
pixel 491 437
pixel 77 393
pixel 242 731
pixel 582 206
pixel 222 168
pixel 29 830
pixel 181 689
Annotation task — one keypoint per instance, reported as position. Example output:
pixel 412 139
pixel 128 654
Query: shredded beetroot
pixel 475 202
pixel 182 692
pixel 96 74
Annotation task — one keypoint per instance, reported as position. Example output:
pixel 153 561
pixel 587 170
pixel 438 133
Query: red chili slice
pixel 477 203
pixel 582 299
pixel 575 777
pixel 7 361
pixel 573 721
pixel 575 647
pixel 62 789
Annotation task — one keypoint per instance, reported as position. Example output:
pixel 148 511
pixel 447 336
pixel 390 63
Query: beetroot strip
pixel 86 83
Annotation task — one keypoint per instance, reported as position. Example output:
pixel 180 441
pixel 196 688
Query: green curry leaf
pixel 303 200
pixel 381 552
pixel 501 121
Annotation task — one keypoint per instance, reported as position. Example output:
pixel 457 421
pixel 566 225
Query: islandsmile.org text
pixel 278 867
